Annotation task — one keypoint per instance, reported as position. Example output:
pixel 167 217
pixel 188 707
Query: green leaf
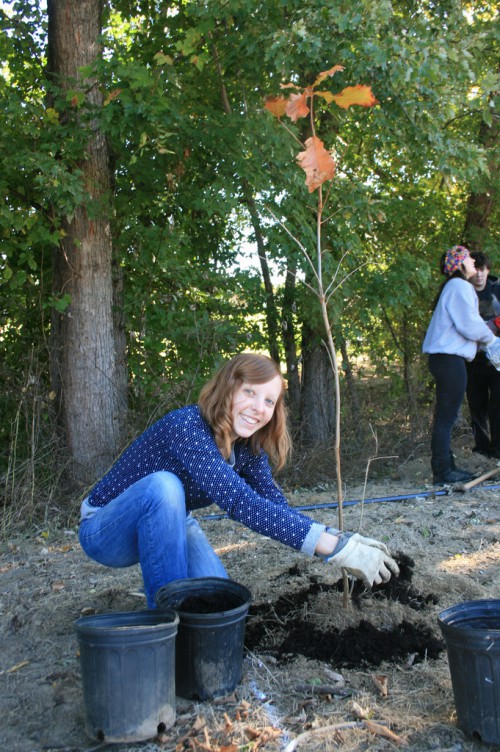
pixel 75 98
pixel 161 59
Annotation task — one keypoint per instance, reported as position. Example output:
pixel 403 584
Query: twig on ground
pixel 374 728
pixel 294 744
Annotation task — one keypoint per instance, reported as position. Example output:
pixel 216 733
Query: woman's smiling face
pixel 253 406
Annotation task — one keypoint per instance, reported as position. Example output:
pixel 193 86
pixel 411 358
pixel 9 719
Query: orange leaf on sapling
pixel 289 86
pixel 327 95
pixel 297 105
pixel 358 94
pixel 317 163
pixel 325 74
pixel 276 106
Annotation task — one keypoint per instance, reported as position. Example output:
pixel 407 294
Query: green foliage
pixel 183 86
pixel 407 166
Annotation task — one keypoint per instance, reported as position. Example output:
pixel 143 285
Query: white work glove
pixel 361 538
pixel 493 353
pixel 366 559
pixel 371 542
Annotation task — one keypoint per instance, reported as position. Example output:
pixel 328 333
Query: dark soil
pixel 361 646
pixel 212 603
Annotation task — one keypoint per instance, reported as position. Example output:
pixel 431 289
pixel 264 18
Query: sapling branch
pixel 320 167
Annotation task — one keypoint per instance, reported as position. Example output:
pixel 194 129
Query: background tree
pixel 193 167
pixel 85 362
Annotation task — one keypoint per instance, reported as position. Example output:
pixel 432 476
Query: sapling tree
pixel 320 167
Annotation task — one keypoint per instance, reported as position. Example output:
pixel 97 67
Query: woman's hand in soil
pixel 366 559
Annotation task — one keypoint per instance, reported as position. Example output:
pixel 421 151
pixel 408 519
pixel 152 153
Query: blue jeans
pixel 450 374
pixel 147 525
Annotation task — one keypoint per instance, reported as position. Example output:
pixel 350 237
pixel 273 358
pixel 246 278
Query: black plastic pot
pixel 128 673
pixel 472 634
pixel 209 643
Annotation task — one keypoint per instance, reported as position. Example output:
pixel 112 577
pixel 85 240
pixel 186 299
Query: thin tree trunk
pixel 480 204
pixel 84 355
pixel 271 310
pixel 352 390
pixel 288 335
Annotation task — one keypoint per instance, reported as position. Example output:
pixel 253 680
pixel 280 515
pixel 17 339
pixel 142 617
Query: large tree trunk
pixel 87 381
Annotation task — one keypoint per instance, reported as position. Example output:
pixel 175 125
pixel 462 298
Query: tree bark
pixel 86 366
pixel 288 334
pixel 352 389
pixel 318 392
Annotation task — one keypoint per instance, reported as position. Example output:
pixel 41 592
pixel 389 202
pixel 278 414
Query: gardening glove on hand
pixel 493 353
pixel 366 559
pixel 372 542
pixel 361 538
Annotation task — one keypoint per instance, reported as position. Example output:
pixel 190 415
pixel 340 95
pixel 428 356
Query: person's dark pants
pixel 450 375
pixel 483 396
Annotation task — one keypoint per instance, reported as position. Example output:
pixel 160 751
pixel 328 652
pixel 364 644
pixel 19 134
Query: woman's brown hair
pixel 216 398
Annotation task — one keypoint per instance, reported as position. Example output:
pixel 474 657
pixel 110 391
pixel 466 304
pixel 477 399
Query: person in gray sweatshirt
pixel 455 332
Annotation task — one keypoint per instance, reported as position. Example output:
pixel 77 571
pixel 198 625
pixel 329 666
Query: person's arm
pixel 461 304
pixel 256 471
pixel 327 542
pixel 495 295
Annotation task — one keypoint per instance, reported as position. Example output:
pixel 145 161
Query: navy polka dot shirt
pixel 182 443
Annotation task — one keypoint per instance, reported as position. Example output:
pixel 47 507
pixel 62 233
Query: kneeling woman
pixel 215 452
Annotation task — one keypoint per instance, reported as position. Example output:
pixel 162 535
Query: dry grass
pixel 46 582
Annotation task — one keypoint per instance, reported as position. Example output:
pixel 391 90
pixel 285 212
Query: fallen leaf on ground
pixel 381 682
pixel 379 730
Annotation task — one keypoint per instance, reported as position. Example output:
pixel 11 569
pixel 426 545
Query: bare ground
pixel 288 694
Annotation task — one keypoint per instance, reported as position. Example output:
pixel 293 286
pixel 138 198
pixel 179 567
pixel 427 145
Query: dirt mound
pixel 354 647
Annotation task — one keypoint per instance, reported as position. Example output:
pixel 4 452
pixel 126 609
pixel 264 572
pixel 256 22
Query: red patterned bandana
pixel 454 257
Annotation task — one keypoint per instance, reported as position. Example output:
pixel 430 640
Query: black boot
pixel 464 473
pixel 444 472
